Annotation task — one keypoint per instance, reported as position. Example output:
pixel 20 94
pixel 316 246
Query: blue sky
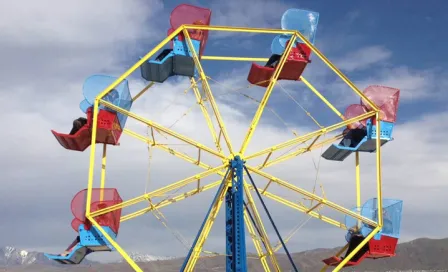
pixel 47 53
pixel 399 30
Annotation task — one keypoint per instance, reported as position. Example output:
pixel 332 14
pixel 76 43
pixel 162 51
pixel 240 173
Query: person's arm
pixel 73 244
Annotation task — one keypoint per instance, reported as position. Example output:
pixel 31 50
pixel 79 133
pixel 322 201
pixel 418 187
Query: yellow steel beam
pixel 313 196
pixel 301 208
pixel 256 241
pixel 96 109
pixel 318 94
pixel 266 162
pixel 336 70
pixel 358 185
pixel 204 188
pixel 310 135
pixel 115 245
pixel 160 191
pixel 191 263
pixel 259 222
pixel 350 256
pixel 92 157
pixel 240 29
pixel 167 149
pixel 137 96
pixel 208 92
pixel 291 233
pixel 234 58
pixel 103 171
pixel 266 96
pixel 297 152
pixel 378 171
pixel 172 200
pixel 200 101
pixel 212 185
pixel 163 129
pixel 296 34
pixel 139 63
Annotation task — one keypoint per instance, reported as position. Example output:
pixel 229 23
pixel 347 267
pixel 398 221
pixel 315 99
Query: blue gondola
pixel 362 140
pixel 88 241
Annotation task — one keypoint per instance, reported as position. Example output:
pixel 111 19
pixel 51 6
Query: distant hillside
pixel 12 257
pixel 417 255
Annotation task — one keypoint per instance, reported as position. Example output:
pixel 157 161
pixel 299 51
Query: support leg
pixel 272 221
pixel 256 239
pixel 263 233
pixel 198 243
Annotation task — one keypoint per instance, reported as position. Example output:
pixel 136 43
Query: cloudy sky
pixel 49 48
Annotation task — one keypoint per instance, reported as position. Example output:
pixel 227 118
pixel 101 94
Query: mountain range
pixel 418 255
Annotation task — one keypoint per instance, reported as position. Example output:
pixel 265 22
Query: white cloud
pixel 54 42
pixel 363 58
pixel 258 13
pixel 414 84
pixel 80 23
pixel 364 69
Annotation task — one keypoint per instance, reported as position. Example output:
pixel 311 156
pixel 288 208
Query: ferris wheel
pixel 108 104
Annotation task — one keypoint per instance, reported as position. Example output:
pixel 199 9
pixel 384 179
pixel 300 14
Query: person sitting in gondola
pixel 352 137
pixel 111 97
pixel 273 61
pixel 78 124
pixel 71 246
pixel 355 239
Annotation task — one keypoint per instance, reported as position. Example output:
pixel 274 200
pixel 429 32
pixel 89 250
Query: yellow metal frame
pixel 218 153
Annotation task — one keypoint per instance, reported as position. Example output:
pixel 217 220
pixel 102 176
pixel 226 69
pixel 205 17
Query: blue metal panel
pixel 76 255
pixel 229 231
pixel 239 242
pixel 90 240
pixel 339 146
pixel 181 47
pixel 93 237
pixel 386 130
pixel 169 55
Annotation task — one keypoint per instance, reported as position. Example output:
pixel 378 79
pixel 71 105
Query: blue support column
pixel 229 230
pixel 236 260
